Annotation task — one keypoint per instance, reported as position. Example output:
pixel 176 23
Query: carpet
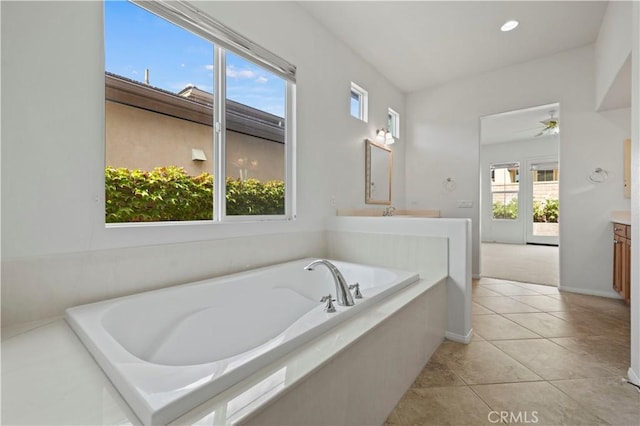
pixel 516 262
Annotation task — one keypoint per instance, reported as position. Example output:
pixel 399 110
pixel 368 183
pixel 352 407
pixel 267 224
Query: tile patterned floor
pixel 538 356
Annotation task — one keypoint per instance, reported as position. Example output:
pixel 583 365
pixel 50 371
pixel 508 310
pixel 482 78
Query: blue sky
pixel 136 39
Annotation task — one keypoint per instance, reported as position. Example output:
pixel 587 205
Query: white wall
pixel 53 146
pixel 443 131
pixel 517 151
pixel 612 48
pixel 634 369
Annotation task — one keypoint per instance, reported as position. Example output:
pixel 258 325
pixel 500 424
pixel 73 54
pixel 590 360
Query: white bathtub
pixel 169 350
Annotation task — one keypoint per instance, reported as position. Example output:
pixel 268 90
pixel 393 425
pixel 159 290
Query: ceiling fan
pixel 551 125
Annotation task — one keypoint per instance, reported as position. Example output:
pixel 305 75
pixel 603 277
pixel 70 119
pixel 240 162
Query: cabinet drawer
pixel 621 230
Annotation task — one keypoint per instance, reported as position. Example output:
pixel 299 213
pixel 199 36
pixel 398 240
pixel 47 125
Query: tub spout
pixel 342 289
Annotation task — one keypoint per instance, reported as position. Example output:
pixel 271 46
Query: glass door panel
pixel 543 227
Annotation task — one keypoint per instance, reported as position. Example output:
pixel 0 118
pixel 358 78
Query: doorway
pixel 519 195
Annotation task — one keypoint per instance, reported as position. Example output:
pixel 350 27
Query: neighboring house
pixel 545 183
pixel 148 127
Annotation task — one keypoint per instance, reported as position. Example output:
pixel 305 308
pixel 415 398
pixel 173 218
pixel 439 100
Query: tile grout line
pixel 587 309
pixel 532 381
pixel 586 408
pixel 485 402
pixel 580 349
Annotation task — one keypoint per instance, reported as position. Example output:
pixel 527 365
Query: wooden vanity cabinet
pixel 622 260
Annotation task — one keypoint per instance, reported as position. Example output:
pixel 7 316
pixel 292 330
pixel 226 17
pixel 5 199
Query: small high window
pixel 394 123
pixel 359 102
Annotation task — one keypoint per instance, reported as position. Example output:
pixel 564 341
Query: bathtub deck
pixel 48 377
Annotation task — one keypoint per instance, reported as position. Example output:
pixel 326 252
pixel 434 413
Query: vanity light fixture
pixel 509 25
pixel 384 136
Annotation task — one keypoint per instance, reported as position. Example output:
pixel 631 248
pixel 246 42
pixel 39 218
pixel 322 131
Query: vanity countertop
pixel 621 216
pixel 379 212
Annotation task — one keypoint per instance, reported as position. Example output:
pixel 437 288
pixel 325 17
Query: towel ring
pixel 599 175
pixel 449 184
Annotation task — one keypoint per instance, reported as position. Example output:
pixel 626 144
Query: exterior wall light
pixel 198 155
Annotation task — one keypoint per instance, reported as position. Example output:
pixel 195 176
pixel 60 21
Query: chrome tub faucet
pixel 343 295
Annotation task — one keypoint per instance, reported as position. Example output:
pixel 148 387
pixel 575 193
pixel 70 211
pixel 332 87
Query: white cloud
pixel 209 67
pixel 243 73
pixel 262 79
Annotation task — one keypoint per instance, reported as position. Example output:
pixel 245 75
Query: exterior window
pixel 166 126
pixel 545 175
pixel 394 123
pixel 505 186
pixel 359 102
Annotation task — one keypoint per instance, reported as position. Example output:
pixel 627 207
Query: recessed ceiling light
pixel 509 25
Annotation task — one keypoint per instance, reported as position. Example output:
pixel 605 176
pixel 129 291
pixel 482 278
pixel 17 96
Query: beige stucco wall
pixel 541 190
pixel 269 156
pixel 141 139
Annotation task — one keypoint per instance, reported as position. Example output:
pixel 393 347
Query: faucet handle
pixel 389 211
pixel 329 306
pixel 356 293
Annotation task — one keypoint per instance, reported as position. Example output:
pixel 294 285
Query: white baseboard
pixel 610 294
pixel 633 377
pixel 459 337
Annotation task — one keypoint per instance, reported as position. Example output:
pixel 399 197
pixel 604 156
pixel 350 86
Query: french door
pixel 542 214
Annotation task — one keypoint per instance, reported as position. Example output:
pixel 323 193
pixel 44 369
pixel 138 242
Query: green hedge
pixel 170 194
pixel 542 212
pixel 506 211
pixel 253 197
pixel 546 212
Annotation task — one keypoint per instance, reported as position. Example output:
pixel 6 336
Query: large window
pixel 505 186
pixel 189 102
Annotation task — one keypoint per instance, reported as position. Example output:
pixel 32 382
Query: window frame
pixel 394 122
pixel 220 188
pixel 363 107
pixel 224 39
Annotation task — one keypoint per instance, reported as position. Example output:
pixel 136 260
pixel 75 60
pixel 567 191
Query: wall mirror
pixel 378 160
